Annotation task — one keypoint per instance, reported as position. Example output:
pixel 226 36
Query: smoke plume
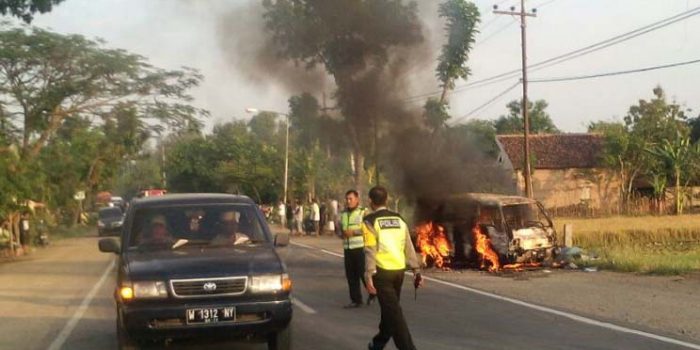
pixel 383 51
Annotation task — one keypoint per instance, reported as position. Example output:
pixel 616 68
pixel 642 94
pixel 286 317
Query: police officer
pixel 353 246
pixel 388 250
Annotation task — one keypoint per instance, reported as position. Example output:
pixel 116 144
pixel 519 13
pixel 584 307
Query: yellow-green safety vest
pixel 390 242
pixel 353 221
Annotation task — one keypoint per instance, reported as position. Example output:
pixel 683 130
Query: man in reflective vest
pixel 353 246
pixel 388 250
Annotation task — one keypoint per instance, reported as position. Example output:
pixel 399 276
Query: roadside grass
pixel 664 245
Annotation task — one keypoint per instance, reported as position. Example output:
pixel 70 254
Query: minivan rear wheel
pixel 281 340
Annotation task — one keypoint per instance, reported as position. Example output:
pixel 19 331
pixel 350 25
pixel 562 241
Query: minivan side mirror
pixel 109 245
pixel 282 239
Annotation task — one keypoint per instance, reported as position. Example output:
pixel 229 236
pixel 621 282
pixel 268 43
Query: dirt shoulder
pixel 660 304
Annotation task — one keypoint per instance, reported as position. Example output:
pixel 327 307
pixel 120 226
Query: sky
pixel 176 33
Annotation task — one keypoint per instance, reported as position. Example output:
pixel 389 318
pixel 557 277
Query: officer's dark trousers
pixel 355 272
pixel 392 325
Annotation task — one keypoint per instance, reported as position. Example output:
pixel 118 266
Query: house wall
pixel 561 188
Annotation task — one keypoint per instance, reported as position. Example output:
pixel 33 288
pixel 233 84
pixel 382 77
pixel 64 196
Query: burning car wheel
pixel 281 340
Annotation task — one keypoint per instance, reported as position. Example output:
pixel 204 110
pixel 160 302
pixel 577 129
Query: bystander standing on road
pixel 316 216
pixel 281 213
pixel 289 216
pixel 385 267
pixel 323 210
pixel 299 217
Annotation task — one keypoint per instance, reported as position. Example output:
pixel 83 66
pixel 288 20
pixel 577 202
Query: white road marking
pixel 302 306
pixel 70 326
pixel 332 253
pixel 568 315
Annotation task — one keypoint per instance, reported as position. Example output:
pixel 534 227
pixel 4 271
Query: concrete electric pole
pixel 526 119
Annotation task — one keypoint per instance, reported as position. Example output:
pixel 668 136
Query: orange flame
pixel 433 243
pixel 483 247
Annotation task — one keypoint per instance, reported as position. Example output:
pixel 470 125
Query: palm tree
pixel 676 154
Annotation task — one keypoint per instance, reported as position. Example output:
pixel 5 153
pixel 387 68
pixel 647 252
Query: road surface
pixel 61 298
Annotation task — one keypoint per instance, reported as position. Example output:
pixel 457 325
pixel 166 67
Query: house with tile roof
pixel 567 172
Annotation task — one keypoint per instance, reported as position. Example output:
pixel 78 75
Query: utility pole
pixel 526 118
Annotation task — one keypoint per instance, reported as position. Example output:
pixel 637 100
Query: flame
pixel 433 243
pixel 483 247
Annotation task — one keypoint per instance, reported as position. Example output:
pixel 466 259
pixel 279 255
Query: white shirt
pixel 300 214
pixel 281 210
pixel 316 212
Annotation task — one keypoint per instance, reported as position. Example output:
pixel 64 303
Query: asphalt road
pixel 55 300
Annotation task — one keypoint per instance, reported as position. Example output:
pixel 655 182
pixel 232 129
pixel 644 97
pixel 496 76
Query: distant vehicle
pixel 116 201
pixel 110 221
pixel 202 266
pixel 151 193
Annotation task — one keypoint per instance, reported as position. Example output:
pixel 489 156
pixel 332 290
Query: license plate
pixel 211 315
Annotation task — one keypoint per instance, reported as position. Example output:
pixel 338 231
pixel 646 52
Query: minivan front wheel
pixel 281 340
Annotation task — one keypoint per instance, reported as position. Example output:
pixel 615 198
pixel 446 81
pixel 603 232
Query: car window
pixel 215 225
pixel 110 213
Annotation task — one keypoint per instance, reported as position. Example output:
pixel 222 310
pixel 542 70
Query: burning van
pixel 485 230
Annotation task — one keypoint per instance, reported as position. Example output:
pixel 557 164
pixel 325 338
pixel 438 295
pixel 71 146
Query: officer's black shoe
pixel 352 306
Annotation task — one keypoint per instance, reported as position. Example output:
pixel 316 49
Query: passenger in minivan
pixel 228 230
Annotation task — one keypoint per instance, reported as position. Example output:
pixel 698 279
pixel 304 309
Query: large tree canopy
pixel 73 112
pixel 46 77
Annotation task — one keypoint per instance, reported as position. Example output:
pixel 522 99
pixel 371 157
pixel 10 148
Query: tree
pixel 264 126
pixel 46 77
pixel 74 111
pixel 25 9
pixel 354 42
pixel 481 135
pixel 436 114
pixel 192 165
pixel 461 18
pixel 540 121
pixel 678 155
pixel 646 124
pixel 694 125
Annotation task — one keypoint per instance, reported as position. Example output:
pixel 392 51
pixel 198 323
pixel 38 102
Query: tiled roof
pixel 555 151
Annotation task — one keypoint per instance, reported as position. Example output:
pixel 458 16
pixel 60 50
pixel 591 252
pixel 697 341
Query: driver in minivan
pixel 158 232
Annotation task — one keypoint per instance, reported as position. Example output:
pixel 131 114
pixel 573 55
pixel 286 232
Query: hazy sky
pixel 174 33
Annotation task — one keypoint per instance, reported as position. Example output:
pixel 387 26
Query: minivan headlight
pixel 149 289
pixel 270 283
pixel 100 223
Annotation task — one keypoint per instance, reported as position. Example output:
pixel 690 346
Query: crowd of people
pixel 313 218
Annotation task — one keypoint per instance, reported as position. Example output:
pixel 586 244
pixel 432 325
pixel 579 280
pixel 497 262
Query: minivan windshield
pixel 524 215
pixel 173 227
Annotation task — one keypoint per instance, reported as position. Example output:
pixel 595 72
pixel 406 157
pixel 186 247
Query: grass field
pixel 650 244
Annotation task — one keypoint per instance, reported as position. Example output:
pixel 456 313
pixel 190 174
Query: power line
pixel 488 103
pixel 574 54
pixel 590 48
pixel 496 32
pixel 630 71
